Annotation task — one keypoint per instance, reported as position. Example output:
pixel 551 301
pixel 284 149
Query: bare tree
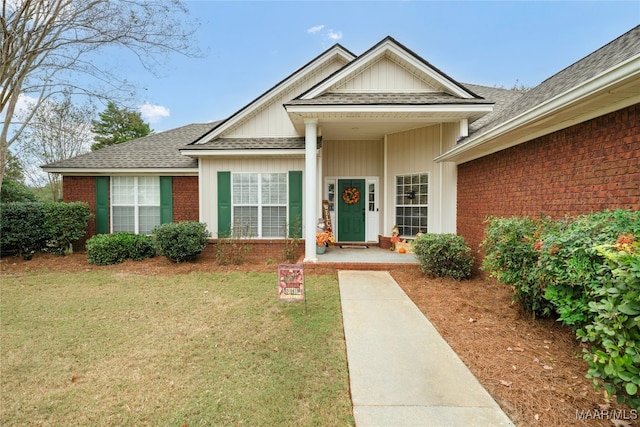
pixel 47 44
pixel 58 130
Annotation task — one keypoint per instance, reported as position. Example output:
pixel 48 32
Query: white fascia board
pixel 276 90
pixel 372 56
pixel 432 108
pixel 455 89
pixel 244 153
pixel 121 171
pixel 599 83
pixel 345 71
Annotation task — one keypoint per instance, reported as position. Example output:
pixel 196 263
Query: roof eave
pixel 391 45
pixel 391 108
pixel 121 171
pixel 244 153
pixel 336 50
pixel 546 111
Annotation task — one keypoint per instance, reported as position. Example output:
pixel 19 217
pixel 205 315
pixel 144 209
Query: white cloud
pixel 329 34
pixel 315 29
pixel 153 113
pixel 334 35
pixel 24 104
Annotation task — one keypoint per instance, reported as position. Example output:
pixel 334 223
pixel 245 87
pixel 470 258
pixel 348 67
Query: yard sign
pixel 290 282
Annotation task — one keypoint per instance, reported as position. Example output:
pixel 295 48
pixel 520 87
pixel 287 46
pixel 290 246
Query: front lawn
pixel 104 347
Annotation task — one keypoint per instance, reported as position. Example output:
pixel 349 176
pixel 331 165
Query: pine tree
pixel 117 126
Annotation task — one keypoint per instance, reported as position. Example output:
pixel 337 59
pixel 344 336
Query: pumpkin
pixel 402 250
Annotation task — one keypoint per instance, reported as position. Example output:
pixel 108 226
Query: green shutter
pixel 295 203
pixel 224 203
pixel 166 199
pixel 102 204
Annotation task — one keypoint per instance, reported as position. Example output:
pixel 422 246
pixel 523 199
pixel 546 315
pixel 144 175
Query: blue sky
pixel 252 45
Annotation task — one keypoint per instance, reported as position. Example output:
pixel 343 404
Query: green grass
pixel 102 348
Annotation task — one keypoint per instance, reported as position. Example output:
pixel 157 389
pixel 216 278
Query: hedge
pixel 585 270
pixel 29 227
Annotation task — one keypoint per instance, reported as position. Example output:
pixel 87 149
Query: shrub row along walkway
pixel 401 370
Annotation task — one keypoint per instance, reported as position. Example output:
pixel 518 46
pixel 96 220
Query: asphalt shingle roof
pixel 158 150
pixel 603 59
pixel 162 150
pixel 425 98
pixel 500 97
pixel 281 143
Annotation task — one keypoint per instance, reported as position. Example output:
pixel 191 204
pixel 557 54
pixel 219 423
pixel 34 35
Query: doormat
pixel 354 247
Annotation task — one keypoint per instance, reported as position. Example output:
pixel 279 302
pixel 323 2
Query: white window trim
pixel 136 204
pixel 260 205
pixel 395 200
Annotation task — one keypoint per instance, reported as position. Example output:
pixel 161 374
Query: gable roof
pixel 606 80
pixel 389 47
pixel 336 51
pixel 387 80
pixel 603 81
pixel 155 151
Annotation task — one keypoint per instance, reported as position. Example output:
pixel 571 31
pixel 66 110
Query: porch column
pixel 310 188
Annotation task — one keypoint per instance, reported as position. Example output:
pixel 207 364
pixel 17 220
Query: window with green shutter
pixel 260 204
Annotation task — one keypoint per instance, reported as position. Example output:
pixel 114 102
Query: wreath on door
pixel 351 195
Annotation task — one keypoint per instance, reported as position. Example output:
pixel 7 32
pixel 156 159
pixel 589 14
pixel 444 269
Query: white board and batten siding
pixel 384 75
pixel 353 158
pixel 412 152
pixel 271 119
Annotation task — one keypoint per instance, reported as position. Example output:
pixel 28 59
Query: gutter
pixel 255 152
pixel 121 171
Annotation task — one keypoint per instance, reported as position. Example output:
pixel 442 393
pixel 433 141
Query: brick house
pixel 385 138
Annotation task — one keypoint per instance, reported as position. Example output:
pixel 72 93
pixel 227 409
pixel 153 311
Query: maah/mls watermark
pixel 607 414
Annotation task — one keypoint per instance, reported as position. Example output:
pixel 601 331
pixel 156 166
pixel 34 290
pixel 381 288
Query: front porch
pixel 370 257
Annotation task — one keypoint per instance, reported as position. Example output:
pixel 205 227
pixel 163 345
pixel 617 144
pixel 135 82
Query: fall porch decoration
pixel 351 195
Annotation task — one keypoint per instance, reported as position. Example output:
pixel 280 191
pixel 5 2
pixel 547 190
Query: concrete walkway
pixel 401 370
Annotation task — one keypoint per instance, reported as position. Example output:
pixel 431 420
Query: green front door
pixel 351 213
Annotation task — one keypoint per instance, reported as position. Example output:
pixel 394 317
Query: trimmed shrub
pixel 512 259
pixel 571 268
pixel 27 228
pixel 64 223
pixel 181 241
pixel 140 246
pixel 588 269
pixel 21 228
pixel 444 255
pixel 613 354
pixel 107 249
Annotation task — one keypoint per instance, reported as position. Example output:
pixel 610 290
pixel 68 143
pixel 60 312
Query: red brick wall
pixel 185 198
pixel 588 167
pixel 81 189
